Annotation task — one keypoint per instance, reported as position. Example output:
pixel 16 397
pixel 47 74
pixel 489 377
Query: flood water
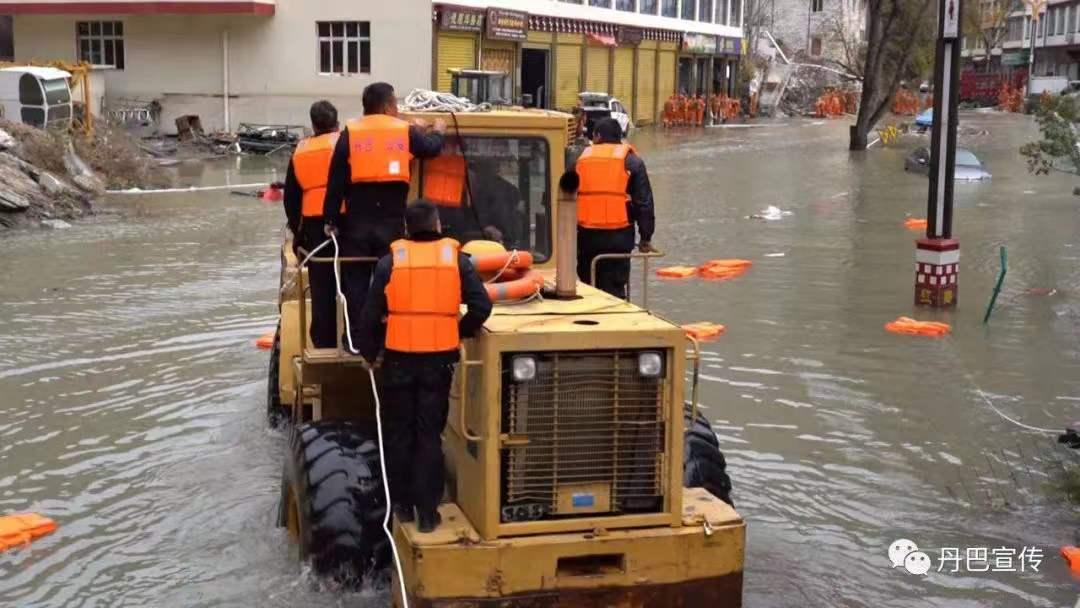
pixel 132 398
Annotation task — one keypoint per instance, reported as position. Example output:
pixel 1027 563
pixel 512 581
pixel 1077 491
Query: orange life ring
pixel 266 341
pixel 19 530
pixel 525 287
pixel 494 262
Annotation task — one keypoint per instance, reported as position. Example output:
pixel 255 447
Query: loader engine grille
pixel 585 436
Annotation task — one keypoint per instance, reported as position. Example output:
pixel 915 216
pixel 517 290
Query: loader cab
pixel 36 96
pixel 482 86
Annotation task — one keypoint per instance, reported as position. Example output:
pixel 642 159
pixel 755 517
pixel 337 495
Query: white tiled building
pixel 812 28
pixel 1057 41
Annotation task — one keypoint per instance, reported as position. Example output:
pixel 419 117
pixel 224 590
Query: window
pixel 344 47
pixel 817 6
pixel 1039 28
pixel 509 178
pixel 625 5
pixel 648 7
pixel 705 11
pixel 669 8
pixel 722 11
pixel 600 3
pixel 1062 17
pixel 101 42
pixel 1027 28
pixel 736 13
pixel 815 46
pixel 689 9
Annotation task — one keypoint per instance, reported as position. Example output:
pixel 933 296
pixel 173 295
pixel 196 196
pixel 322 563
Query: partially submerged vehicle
pixel 36 96
pixel 968 166
pixel 598 106
pixel 580 472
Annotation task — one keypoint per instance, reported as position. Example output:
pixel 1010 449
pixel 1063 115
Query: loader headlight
pixel 524 368
pixel 650 365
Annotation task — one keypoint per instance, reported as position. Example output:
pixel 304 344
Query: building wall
pixel 794 24
pixel 273 61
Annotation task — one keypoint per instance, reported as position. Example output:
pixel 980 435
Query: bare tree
pixel 899 33
pixel 757 18
pixel 851 55
pixel 988 22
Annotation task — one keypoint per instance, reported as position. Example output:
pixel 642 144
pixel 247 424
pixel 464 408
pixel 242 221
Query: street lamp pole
pixel 937 256
pixel 1036 7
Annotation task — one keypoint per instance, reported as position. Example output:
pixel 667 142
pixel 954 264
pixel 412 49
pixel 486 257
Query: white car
pixel 598 106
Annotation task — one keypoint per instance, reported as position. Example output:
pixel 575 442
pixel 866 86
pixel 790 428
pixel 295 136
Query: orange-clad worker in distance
pixel 305 191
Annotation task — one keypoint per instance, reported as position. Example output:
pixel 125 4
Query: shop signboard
pixel 729 46
pixel 704 44
pixel 461 19
pixel 630 35
pixel 505 24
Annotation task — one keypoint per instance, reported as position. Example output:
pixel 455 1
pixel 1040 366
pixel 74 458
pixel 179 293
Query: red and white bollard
pixel 937 269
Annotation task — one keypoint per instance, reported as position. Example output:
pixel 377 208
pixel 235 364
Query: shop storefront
pixel 696 64
pixel 726 65
pixel 469 38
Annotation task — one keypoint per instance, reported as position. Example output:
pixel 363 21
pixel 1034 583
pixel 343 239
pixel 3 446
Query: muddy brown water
pixel 132 398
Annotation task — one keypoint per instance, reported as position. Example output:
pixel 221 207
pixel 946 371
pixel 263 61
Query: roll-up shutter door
pixel 645 110
pixel 596 70
pixel 455 52
pixel 623 87
pixel 665 86
pixel 568 76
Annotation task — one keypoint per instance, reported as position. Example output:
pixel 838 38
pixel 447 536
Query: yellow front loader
pixel 579 471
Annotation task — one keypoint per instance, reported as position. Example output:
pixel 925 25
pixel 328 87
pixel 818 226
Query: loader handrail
pixel 696 358
pixel 645 257
pixel 304 259
pixel 463 393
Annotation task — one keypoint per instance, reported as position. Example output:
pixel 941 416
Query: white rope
pixel 341 297
pixel 191 189
pixel 386 489
pixel 423 100
pixel 509 262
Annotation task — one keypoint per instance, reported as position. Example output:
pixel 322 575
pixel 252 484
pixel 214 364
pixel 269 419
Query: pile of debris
pixel 807 84
pixel 50 177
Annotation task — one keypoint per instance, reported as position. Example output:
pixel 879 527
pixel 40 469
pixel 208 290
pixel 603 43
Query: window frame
pixel 344 38
pixel 817 6
pixel 115 41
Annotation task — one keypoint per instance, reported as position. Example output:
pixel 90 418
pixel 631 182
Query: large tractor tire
pixel 275 412
pixel 333 503
pixel 703 462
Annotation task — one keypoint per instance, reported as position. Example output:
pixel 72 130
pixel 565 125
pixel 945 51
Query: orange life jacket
pixel 423 297
pixel 602 196
pixel 444 178
pixel 311 165
pixel 379 149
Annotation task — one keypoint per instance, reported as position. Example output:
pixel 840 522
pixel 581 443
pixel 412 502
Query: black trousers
pixel 362 237
pixel 323 291
pixel 612 276
pixel 415 396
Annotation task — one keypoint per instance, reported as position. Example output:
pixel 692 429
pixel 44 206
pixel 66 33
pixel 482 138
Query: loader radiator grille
pixel 585 436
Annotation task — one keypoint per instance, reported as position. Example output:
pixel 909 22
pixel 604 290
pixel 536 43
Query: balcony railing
pixel 151 7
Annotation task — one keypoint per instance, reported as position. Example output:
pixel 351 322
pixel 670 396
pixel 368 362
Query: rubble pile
pixel 806 86
pixel 46 179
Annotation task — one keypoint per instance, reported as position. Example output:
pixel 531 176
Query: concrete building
pixel 261 61
pixel 640 51
pixel 812 29
pixel 1057 42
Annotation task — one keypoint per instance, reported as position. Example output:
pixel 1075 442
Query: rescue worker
pixel 471 206
pixel 305 191
pixel 615 194
pixel 419 289
pixel 370 170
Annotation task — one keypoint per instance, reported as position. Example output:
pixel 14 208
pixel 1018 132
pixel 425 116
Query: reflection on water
pixel 134 397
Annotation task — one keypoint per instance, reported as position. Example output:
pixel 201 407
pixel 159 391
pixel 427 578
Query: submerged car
pixel 968 166
pixel 598 106
pixel 925 120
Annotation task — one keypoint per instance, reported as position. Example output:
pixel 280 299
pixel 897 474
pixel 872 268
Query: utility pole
pixel 1036 7
pixel 937 256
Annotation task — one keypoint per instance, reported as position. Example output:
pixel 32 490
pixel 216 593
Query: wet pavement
pixel 133 398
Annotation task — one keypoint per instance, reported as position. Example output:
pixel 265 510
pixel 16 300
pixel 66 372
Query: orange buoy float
pixel 915 223
pixel 1072 558
pixel 265 341
pixel 505 260
pixel 724 269
pixel 911 327
pixel 519 289
pixel 677 272
pixel 704 331
pixel 18 530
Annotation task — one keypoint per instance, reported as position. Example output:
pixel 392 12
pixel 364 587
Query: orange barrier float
pixel 18 530
pixel 677 272
pixel 1072 558
pixel 704 331
pixel 724 269
pixel 519 289
pixel 265 341
pixel 915 223
pixel 911 327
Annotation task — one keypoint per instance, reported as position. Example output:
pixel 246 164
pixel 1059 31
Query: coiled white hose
pixel 423 100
